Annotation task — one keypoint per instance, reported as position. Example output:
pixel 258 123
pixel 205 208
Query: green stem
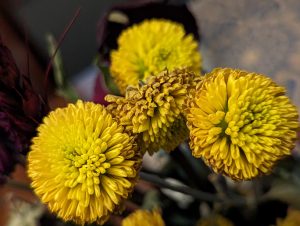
pixel 19 185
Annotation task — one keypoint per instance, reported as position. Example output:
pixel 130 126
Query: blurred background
pixel 259 36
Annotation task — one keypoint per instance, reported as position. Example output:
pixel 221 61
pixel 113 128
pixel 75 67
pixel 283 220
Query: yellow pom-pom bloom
pixel 215 220
pixel 150 47
pixel 145 218
pixel 82 164
pixel 241 123
pixel 154 110
pixel 292 219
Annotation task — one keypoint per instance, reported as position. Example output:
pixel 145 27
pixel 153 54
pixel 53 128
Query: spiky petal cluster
pixel 82 164
pixel 144 217
pixel 148 48
pixel 215 220
pixel 153 110
pixel 241 123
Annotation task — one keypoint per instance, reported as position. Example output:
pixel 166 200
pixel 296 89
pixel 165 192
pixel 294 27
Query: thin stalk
pixel 60 40
pixel 197 194
pixel 18 185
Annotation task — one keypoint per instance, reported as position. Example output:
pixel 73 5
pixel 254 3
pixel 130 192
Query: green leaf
pixel 63 87
pixel 151 200
pixel 110 84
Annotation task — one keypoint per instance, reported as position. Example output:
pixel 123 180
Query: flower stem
pixel 61 39
pixel 19 185
pixel 197 194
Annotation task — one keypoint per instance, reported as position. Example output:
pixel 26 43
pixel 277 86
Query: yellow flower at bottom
pixel 215 220
pixel 154 110
pixel 82 164
pixel 241 123
pixel 292 219
pixel 148 48
pixel 145 218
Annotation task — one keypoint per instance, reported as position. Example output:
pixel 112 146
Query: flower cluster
pixel 241 123
pixel 148 48
pixel 82 163
pixel 154 110
pixel 85 159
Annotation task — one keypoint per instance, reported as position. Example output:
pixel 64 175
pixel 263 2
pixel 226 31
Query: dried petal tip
pixel 82 164
pixel 241 123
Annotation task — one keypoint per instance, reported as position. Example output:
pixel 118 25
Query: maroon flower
pixel 21 110
pixel 100 91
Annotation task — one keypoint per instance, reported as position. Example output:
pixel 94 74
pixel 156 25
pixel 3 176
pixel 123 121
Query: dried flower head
pixel 292 219
pixel 144 217
pixel 82 164
pixel 153 110
pixel 148 48
pixel 215 220
pixel 241 123
pixel 21 109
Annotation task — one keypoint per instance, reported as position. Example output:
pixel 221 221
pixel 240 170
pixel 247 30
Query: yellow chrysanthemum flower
pixel 82 164
pixel 241 123
pixel 145 218
pixel 150 47
pixel 292 219
pixel 153 111
pixel 215 220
